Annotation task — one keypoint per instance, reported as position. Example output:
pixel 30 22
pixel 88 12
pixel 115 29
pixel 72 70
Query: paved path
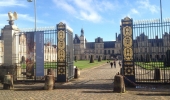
pixel 94 84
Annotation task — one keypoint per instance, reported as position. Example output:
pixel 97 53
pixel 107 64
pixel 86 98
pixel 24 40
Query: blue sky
pixel 98 18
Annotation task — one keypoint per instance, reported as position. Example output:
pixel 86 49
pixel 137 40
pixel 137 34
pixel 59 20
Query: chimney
pixel 116 36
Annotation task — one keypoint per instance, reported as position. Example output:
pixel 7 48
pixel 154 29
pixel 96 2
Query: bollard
pixel 157 74
pixel 49 82
pixel 8 82
pixel 119 85
pixel 77 73
pixel 51 72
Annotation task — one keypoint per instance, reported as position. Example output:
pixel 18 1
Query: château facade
pixel 105 49
pixel 155 47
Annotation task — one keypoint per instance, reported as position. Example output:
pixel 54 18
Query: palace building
pixel 155 47
pixel 105 49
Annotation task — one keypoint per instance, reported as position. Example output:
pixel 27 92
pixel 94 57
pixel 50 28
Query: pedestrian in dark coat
pixel 119 63
pixel 111 64
pixel 114 64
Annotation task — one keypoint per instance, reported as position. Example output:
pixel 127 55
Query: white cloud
pixel 134 11
pixel 3 15
pixel 87 12
pixel 85 9
pixel 26 17
pixel 105 5
pixel 91 16
pixel 145 4
pixel 8 3
pixel 65 5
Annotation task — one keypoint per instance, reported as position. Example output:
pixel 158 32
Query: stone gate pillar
pixel 61 52
pixel 127 50
pixel 10 38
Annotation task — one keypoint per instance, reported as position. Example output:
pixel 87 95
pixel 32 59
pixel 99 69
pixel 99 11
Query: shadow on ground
pixel 155 94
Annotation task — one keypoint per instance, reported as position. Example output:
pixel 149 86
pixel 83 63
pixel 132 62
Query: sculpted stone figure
pixel 12 16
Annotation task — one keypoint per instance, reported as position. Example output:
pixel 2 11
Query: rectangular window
pixel 105 52
pixel 108 51
pixel 100 51
pixel 112 51
pixel 101 46
pixel 145 50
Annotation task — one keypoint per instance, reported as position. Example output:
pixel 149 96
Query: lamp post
pixel 161 13
pixel 162 28
pixel 34 12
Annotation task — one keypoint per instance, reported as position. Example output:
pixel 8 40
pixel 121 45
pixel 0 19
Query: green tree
pixel 147 58
pixel 99 59
pixel 141 58
pixel 167 59
pixel 91 59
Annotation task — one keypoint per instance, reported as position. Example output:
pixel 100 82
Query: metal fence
pixel 50 54
pixel 151 43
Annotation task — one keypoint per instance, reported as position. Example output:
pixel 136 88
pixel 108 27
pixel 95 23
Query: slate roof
pixel 76 37
pixel 109 44
pixel 119 37
pixel 157 41
pixel 99 40
pixel 90 45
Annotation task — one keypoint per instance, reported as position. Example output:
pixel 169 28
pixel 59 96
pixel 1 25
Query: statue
pixel 12 17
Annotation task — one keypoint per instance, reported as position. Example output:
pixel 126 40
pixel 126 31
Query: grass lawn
pixel 151 65
pixel 46 65
pixel 83 64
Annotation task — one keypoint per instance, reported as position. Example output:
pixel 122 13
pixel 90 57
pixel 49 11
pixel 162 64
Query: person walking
pixel 111 64
pixel 114 64
pixel 119 63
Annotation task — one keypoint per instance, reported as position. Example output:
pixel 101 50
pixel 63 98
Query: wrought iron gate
pixel 151 40
pixel 146 57
pixel 50 54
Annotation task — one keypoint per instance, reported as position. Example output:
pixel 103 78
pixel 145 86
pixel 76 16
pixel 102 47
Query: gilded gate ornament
pixel 127 31
pixel 127 41
pixel 128 54
pixel 61 55
pixel 61 70
pixel 129 70
pixel 61 44
pixel 61 35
